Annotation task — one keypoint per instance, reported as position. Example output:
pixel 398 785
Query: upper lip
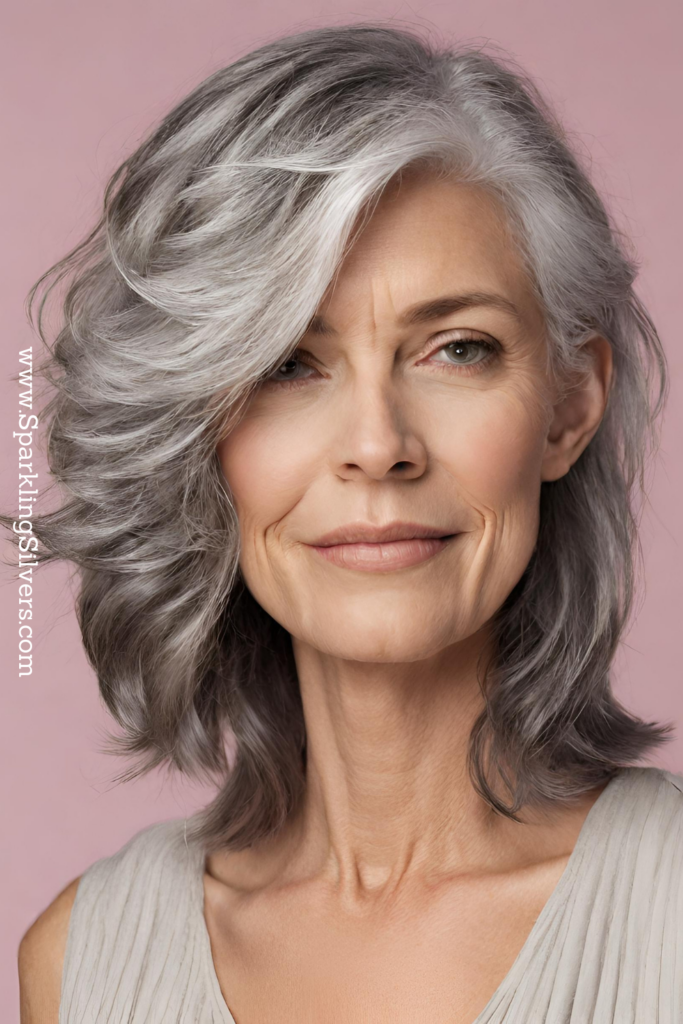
pixel 358 533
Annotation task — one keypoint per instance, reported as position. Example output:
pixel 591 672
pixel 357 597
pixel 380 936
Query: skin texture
pixel 403 895
pixel 395 894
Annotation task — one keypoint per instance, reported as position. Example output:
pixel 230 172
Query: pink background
pixel 83 80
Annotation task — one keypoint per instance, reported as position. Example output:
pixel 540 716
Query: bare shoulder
pixel 41 958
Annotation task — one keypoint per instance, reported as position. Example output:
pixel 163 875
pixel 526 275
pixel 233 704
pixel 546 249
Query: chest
pixel 293 961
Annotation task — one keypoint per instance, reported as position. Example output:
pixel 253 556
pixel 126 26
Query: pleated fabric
pixel 607 947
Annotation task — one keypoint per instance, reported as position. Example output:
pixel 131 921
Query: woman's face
pixel 419 400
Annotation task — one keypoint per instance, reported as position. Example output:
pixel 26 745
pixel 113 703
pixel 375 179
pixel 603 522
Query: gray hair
pixel 218 238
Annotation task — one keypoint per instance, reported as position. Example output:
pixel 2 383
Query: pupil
pixel 459 348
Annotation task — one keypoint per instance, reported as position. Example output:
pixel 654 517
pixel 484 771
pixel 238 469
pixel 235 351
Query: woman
pixel 354 396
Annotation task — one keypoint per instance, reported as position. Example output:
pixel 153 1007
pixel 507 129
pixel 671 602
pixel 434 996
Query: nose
pixel 377 436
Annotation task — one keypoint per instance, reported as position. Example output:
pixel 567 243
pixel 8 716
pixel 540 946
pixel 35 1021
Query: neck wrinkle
pixel 388 798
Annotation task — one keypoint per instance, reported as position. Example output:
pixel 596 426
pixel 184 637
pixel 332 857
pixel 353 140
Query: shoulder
pixel 654 788
pixel 637 824
pixel 650 794
pixel 636 893
pixel 154 854
pixel 642 827
pixel 666 809
pixel 127 907
pixel 41 959
pixel 674 780
pixel 58 940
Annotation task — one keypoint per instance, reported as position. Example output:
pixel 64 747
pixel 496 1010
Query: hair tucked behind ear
pixel 218 238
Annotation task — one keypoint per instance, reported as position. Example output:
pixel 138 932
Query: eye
pixel 293 369
pixel 464 352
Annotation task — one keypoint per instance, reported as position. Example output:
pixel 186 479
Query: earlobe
pixel 577 416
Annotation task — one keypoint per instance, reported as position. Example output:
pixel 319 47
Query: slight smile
pixel 369 548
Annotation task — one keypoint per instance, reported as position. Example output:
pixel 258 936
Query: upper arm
pixel 41 958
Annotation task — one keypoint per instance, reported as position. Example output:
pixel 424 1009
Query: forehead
pixel 429 237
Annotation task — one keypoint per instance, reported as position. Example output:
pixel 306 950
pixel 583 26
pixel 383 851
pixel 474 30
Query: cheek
pixel 493 447
pixel 267 464
pixel 493 450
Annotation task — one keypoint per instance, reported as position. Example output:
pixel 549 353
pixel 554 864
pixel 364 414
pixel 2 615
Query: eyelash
pixel 467 368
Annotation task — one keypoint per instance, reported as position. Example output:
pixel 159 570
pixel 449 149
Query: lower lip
pixel 384 557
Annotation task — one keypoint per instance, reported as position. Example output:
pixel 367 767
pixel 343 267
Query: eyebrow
pixel 435 309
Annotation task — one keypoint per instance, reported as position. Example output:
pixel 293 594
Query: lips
pixel 370 548
pixel 358 533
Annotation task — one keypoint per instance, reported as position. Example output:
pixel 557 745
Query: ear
pixel 577 415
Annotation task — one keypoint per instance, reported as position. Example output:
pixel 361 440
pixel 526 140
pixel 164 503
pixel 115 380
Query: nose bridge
pixel 376 430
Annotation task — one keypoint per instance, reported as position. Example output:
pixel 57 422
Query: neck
pixel 388 793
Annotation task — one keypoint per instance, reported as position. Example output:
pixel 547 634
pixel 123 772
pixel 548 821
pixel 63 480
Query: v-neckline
pixel 563 885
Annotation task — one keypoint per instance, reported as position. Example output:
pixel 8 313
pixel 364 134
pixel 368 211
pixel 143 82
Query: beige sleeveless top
pixel 607 947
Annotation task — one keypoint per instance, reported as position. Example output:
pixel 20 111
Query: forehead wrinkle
pixel 435 309
pixel 320 326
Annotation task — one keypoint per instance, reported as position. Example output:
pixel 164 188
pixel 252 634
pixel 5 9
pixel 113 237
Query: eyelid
pixel 297 354
pixel 459 334
pixel 445 338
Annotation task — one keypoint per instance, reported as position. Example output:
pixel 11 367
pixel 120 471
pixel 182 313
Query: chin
pixel 367 635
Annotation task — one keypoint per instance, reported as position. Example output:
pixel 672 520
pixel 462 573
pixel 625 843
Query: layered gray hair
pixel 218 238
